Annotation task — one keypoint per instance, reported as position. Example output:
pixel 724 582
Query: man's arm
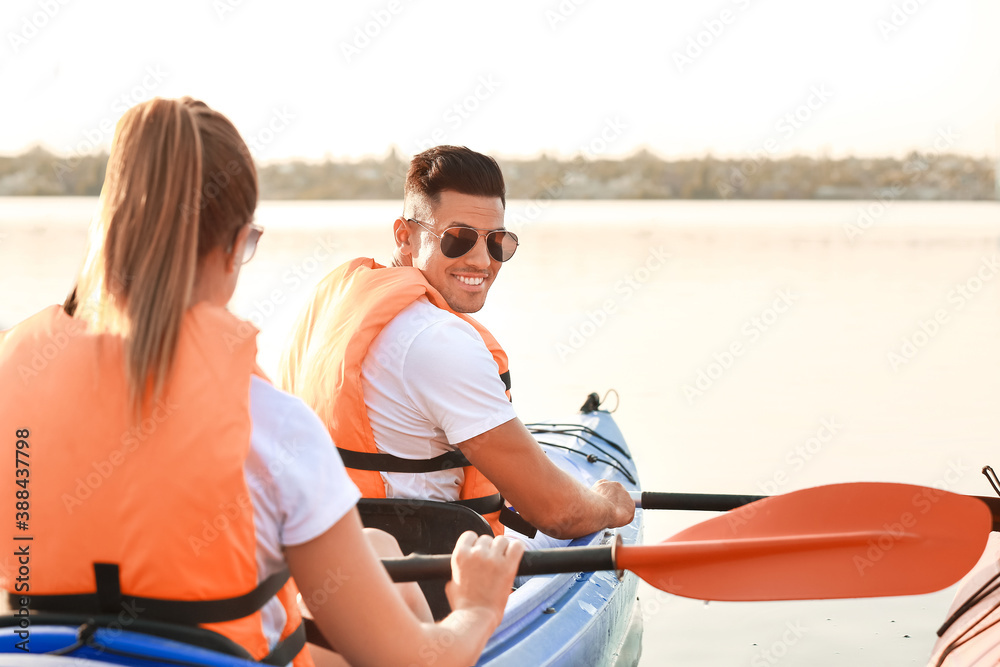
pixel 551 499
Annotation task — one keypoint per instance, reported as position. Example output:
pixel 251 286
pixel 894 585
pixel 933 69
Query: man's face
pixel 462 281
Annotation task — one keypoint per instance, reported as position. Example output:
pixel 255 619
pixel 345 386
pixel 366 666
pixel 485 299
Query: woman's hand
pixel 361 612
pixel 482 573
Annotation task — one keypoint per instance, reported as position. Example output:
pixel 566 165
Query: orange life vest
pixel 322 365
pixel 154 518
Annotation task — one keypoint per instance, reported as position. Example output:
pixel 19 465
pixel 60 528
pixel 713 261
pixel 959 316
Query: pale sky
pixel 303 79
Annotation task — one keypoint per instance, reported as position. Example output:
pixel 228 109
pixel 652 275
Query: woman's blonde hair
pixel 180 182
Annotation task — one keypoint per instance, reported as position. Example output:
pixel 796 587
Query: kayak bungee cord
pixel 576 431
pixel 991 477
pixel 592 404
pixel 580 437
pixel 984 591
pixel 593 458
pixel 988 588
pixel 86 639
pixel 84 636
pixel 573 429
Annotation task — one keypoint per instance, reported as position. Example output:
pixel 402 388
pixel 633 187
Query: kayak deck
pixel 588 618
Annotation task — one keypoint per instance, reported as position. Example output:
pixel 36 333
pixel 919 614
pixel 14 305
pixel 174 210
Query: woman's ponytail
pixel 155 222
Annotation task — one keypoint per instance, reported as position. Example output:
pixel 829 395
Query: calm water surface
pixel 756 347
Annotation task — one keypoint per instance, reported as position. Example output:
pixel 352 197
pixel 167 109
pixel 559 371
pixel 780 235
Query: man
pixel 411 387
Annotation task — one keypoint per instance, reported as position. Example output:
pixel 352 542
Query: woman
pixel 167 479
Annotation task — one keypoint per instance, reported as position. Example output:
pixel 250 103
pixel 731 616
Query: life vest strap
pixel 390 463
pixel 108 599
pixel 314 635
pixel 483 505
pixel 453 459
pixel 286 649
pixel 508 517
pixel 109 590
pixel 515 521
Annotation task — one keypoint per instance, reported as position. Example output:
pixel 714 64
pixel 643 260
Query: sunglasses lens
pixel 457 241
pixel 501 245
pixel 251 245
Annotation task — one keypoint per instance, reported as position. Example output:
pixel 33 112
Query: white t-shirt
pixel 298 484
pixel 429 383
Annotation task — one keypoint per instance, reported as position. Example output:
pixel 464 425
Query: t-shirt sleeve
pixel 452 378
pixel 305 477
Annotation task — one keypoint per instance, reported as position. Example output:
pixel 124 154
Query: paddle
pixel 838 541
pixel 721 502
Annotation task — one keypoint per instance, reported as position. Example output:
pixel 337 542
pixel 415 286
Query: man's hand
pixel 545 495
pixel 622 507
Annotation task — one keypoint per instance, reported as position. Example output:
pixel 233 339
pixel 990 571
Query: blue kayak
pixel 589 618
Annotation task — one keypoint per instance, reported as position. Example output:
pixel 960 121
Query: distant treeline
pixel 640 176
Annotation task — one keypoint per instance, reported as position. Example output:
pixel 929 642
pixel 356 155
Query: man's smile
pixel 471 281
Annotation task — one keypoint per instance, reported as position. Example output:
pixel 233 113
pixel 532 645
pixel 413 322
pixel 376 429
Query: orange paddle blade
pixel 836 541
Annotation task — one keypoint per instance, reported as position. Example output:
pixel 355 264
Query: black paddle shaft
pixel 705 502
pixel 721 502
pixel 418 567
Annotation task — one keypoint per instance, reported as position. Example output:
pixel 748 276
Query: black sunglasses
pixel 457 241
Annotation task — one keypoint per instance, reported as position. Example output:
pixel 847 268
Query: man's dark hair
pixel 450 168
